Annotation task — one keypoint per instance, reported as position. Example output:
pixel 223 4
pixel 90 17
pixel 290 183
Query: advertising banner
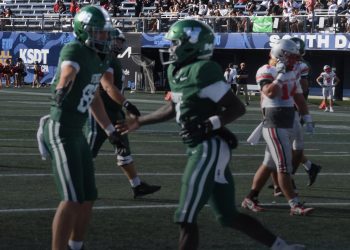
pixel 317 41
pixel 43 48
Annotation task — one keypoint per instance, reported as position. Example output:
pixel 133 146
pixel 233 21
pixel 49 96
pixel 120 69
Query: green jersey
pixel 116 66
pixel 195 89
pixel 73 110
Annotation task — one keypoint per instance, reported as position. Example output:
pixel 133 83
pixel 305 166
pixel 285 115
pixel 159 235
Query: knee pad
pixel 124 160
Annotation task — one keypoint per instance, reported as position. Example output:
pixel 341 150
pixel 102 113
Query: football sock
pixel 294 202
pixel 307 165
pixel 278 244
pixel 75 245
pixel 134 182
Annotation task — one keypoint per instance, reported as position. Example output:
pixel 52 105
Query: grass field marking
pixel 152 131
pixel 161 174
pixel 335 154
pixel 179 141
pixel 166 206
pixel 49 94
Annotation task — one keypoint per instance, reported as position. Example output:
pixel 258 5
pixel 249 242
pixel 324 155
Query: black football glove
pixel 193 133
pixel 117 140
pixel 131 108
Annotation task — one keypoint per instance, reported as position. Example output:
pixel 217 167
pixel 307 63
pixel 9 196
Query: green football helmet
pixel 118 40
pixel 300 44
pixel 92 27
pixel 190 39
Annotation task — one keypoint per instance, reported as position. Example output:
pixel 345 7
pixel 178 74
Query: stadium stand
pixel 157 15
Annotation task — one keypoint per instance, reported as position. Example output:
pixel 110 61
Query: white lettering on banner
pixel 317 41
pixel 311 39
pixel 217 39
pixel 341 42
pixel 31 55
pixel 323 41
pixel 126 52
pixel 274 39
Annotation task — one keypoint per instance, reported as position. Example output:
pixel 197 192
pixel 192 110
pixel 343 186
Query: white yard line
pixel 161 174
pixel 166 206
pixel 333 154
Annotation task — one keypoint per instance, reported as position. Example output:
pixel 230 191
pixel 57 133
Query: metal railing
pixel 318 22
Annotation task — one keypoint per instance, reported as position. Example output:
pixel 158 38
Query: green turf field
pixel 28 196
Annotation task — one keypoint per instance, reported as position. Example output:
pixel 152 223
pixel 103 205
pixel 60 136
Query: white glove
pixel 309 125
pixel 281 68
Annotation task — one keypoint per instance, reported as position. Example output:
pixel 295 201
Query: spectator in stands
pixel 250 6
pixel 347 15
pixel 56 7
pixel 232 21
pixel 104 4
pixel 165 5
pixel 138 7
pixel 202 8
pixel 7 14
pixel 332 10
pixel 263 5
pixel 62 7
pixel 73 7
pixel 293 21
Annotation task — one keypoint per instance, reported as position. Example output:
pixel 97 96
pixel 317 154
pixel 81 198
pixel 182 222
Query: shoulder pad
pixel 266 74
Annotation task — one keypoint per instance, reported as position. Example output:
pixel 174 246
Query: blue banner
pixel 41 47
pixel 317 41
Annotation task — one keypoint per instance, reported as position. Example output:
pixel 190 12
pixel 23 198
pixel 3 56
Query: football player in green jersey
pixel 203 104
pixel 97 136
pixel 82 65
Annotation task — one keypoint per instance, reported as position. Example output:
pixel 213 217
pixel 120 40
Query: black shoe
pixel 144 189
pixel 313 172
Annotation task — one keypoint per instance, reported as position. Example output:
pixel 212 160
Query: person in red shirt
pixel 73 7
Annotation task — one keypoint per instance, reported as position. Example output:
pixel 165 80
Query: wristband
pixel 307 118
pixel 109 129
pixel 125 103
pixel 215 121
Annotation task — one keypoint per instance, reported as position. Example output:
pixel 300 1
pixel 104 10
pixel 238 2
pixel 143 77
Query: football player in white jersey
pixel 280 90
pixel 327 80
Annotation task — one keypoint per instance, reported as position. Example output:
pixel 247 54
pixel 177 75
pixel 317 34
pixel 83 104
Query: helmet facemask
pixel 190 40
pixel 98 39
pixel 118 41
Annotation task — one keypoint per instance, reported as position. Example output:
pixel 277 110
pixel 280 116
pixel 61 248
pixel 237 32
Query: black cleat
pixel 144 189
pixel 313 172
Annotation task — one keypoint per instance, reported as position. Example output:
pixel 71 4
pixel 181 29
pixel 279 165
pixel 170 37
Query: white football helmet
pixel 327 69
pixel 286 52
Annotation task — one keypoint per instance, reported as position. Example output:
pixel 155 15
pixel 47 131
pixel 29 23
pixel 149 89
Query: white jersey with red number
pixel 290 86
pixel 328 78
